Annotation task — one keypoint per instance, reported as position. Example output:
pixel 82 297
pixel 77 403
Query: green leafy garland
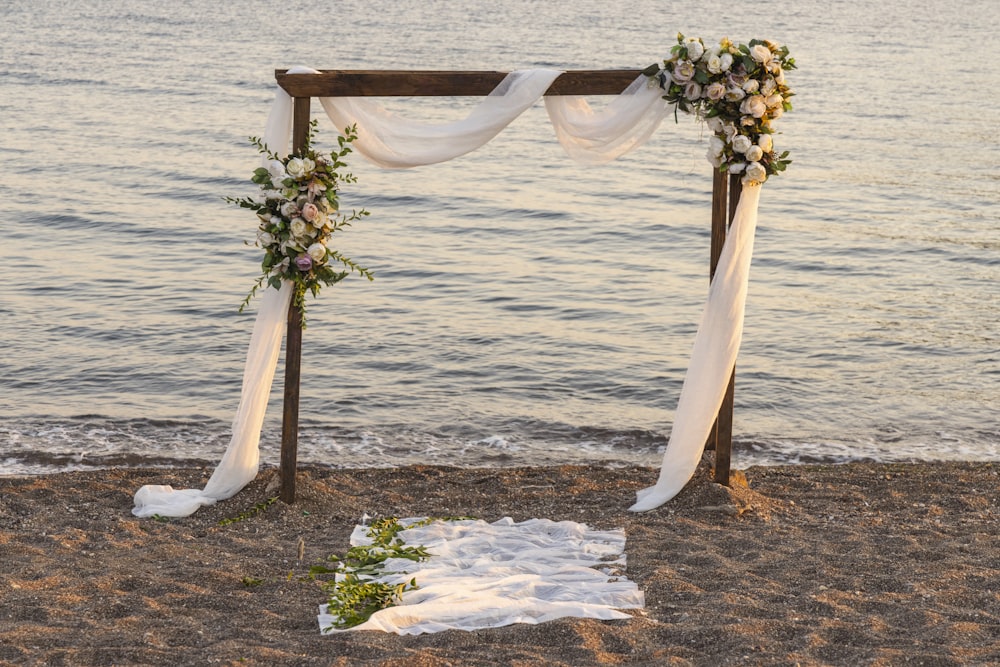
pixel 738 89
pixel 299 210
pixel 353 595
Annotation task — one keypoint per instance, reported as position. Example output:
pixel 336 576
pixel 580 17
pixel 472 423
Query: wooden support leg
pixel 725 197
pixel 290 416
pixel 293 343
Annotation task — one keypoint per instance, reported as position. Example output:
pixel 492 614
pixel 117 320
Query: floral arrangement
pixel 298 211
pixel 738 89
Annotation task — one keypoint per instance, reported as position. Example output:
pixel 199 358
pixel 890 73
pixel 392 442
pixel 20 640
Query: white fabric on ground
pixel 487 575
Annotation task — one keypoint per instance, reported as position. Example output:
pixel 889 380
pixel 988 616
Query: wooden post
pixel 720 437
pixel 293 343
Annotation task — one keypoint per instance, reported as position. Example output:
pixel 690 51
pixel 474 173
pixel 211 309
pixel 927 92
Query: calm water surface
pixel 526 310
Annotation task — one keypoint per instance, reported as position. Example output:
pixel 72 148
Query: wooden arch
pixel 425 83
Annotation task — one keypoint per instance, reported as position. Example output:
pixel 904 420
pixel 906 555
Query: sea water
pixel 526 310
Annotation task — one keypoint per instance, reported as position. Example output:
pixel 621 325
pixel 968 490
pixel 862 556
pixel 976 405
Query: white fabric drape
pixel 597 137
pixel 240 462
pixel 487 575
pixel 588 136
pixel 395 142
pixel 713 358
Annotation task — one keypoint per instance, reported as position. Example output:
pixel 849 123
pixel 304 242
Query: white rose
pixel 765 142
pixel 768 87
pixel 317 251
pixel 272 194
pixel 741 143
pixel 296 168
pixel 276 170
pixel 751 85
pixel 735 94
pixel 308 166
pixel 299 228
pixel 729 130
pixel 715 91
pixel 695 50
pixel 716 145
pixel 754 106
pixel 714 64
pixel 714 158
pixel 264 238
pixel 683 72
pixel 773 101
pixel 737 167
pixel 755 174
pixel 754 153
pixel 761 53
pixel 289 209
pixel 726 61
pixel 714 124
pixel 692 91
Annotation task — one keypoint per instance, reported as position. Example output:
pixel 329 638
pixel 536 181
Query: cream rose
pixel 765 142
pixel 761 53
pixel 289 209
pixel 317 251
pixel 773 101
pixel 741 143
pixel 737 167
pixel 755 173
pixel 714 64
pixel 754 153
pixel 726 61
pixel 751 85
pixel 308 166
pixel 692 91
pixel 755 106
pixel 299 228
pixel 735 93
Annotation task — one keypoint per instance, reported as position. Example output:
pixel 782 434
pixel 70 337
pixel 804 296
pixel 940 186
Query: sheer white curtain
pixel 589 136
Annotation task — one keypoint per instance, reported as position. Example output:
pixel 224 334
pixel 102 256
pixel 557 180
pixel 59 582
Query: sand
pixel 860 564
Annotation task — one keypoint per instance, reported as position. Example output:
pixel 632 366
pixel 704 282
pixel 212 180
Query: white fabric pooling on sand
pixel 487 575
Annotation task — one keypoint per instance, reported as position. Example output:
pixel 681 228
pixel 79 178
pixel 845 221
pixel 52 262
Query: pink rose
pixel 303 262
pixel 310 211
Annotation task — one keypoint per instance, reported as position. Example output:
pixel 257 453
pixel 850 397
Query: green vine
pixel 248 513
pixel 353 595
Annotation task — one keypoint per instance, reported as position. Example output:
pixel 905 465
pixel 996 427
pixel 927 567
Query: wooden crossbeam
pixel 425 83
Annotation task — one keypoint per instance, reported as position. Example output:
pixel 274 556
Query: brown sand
pixel 814 565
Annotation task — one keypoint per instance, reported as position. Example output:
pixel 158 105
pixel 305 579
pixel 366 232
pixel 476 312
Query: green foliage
pixel 353 595
pixel 298 211
pixel 252 511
